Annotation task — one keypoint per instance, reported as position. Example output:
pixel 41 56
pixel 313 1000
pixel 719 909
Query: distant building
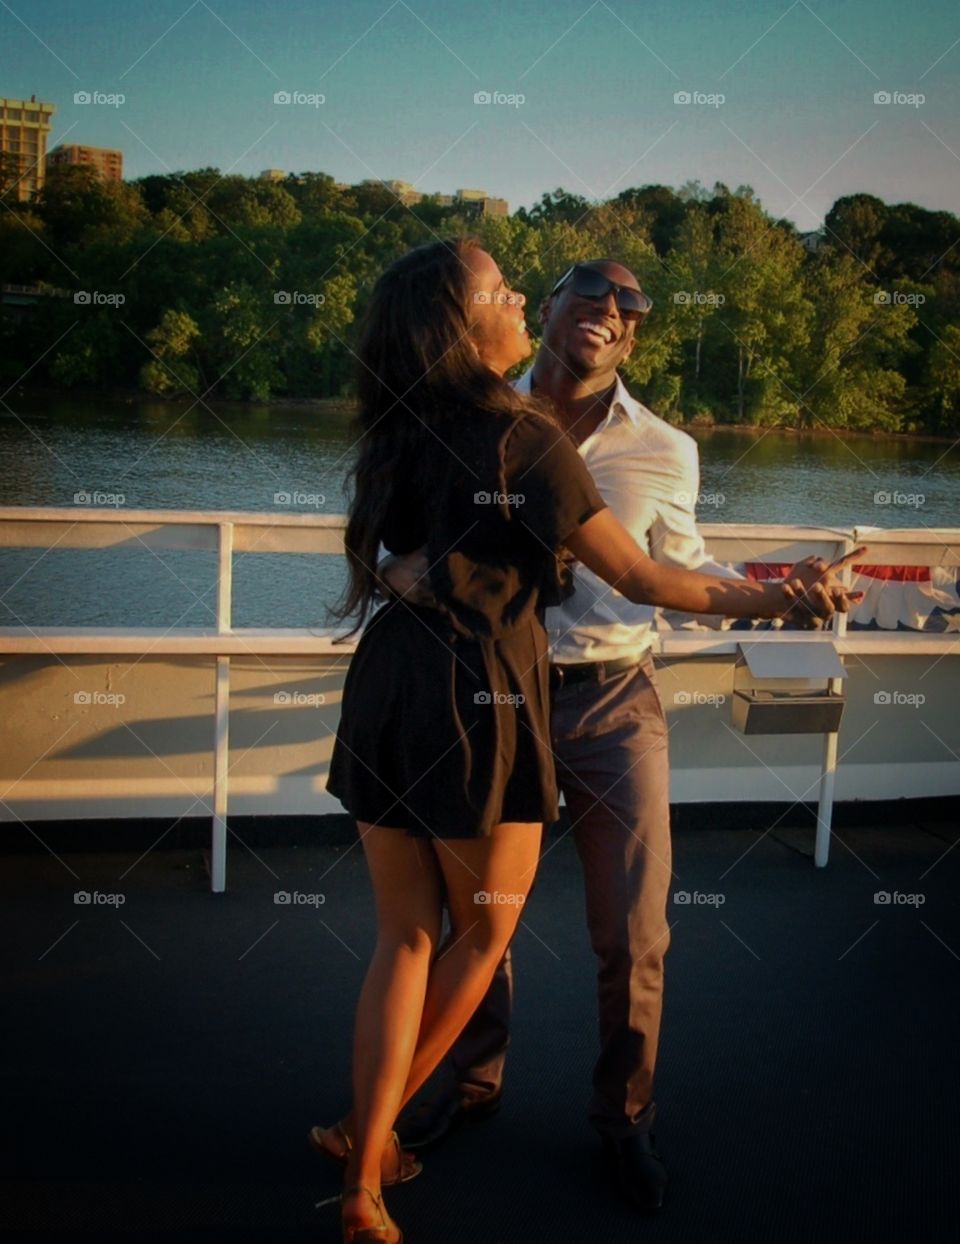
pixel 473 202
pixel 24 126
pixel 403 190
pixel 106 162
pixel 479 203
pixel 20 301
pixel 813 240
pixel 273 174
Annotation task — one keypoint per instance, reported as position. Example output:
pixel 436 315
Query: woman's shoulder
pixel 516 436
pixel 529 433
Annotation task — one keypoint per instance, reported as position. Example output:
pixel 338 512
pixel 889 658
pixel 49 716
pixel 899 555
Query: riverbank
pixel 344 407
pixel 137 397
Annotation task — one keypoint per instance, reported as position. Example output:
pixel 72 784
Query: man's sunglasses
pixel 632 304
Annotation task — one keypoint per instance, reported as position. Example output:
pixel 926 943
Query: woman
pixel 444 730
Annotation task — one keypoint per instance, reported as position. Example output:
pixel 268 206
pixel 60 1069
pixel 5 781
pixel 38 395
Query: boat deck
pixel 166 1057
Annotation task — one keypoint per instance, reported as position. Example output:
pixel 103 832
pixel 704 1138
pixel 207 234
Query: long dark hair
pixel 417 371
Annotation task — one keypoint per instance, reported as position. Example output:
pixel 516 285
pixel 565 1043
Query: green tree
pixel 243 203
pixel 243 343
pixel 556 205
pixel 766 312
pixel 662 211
pixel 9 176
pixel 172 370
pixel 696 267
pixel 943 381
pixel 24 259
pixel 855 225
pixel 79 209
pixel 847 373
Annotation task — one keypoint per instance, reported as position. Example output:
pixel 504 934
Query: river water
pixel 142 454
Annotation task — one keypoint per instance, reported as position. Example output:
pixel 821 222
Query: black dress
pixel 445 720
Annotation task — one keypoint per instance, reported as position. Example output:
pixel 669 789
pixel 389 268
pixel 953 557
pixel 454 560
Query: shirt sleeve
pixel 676 541
pixel 551 491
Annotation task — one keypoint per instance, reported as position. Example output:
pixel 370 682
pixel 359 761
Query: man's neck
pixel 581 402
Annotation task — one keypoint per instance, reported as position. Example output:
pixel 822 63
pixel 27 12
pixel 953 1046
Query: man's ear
pixel 545 311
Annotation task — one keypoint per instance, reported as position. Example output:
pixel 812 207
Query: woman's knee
pixel 486 930
pixel 416 937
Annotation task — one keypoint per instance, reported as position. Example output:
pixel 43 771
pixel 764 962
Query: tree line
pixel 196 283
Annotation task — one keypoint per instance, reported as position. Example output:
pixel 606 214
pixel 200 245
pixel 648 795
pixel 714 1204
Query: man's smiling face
pixel 589 335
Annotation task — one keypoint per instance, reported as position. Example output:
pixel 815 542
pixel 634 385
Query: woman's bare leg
pixel 410 1013
pixel 503 866
pixel 408 891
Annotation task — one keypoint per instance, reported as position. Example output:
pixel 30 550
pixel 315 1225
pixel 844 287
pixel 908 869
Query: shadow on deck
pixel 166 1057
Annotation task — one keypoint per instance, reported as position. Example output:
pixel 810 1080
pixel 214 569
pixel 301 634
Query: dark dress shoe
pixel 424 1124
pixel 638 1170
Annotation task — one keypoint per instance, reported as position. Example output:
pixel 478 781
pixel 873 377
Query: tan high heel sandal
pixel 408 1167
pixel 370 1235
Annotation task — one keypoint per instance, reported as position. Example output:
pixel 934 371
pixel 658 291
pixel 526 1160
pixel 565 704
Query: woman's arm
pixel 604 546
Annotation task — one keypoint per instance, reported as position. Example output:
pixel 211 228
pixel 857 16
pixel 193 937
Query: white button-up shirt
pixel 648 472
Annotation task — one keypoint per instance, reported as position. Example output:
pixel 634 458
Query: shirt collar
pixel 623 406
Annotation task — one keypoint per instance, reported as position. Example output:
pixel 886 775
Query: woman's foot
pixel 396 1165
pixel 364 1219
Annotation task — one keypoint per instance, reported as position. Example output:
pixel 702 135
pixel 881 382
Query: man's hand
pixel 812 584
pixel 407 576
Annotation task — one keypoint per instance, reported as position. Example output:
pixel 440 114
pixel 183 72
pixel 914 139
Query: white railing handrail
pixel 86 514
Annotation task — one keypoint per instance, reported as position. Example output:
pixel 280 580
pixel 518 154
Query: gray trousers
pixel 610 743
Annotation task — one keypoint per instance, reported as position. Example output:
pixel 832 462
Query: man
pixel 608 730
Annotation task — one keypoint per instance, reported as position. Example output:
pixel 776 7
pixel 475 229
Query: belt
pixel 564 673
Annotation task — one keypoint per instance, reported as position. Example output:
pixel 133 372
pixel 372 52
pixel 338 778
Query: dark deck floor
pixel 165 1059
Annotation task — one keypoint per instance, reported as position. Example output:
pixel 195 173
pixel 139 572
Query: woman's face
pixel 497 327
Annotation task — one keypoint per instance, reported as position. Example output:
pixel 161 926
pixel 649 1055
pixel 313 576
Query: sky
pixel 802 101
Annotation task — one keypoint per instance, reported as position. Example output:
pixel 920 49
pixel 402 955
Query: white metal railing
pixel 198 530
pixel 229 532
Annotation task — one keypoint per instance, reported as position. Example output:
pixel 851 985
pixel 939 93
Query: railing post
pixel 221 741
pixel 831 745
